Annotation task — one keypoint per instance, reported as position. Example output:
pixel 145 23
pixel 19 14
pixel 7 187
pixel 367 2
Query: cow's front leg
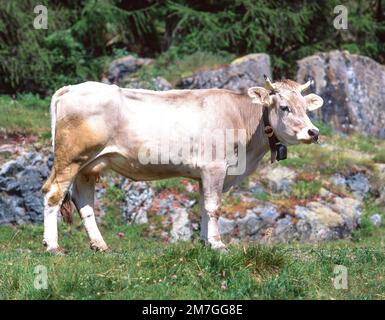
pixel 83 197
pixel 210 199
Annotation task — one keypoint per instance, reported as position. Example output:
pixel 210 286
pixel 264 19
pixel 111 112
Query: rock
pixel 124 66
pixel 375 219
pixel 338 180
pixel 137 200
pixel 352 87
pixel 279 179
pixel 181 225
pixel 249 225
pixel 21 181
pixel 161 84
pixel 158 83
pixel 241 74
pixel 267 213
pixel 226 226
pixel 328 221
pixel 12 167
pixel 285 231
pixel 324 193
pixel 358 184
pixel 350 211
pixel 322 220
pixel 256 187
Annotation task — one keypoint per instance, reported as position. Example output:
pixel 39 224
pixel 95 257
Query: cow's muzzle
pixel 314 135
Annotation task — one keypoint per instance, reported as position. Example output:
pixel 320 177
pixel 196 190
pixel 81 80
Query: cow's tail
pixel 67 207
pixel 53 111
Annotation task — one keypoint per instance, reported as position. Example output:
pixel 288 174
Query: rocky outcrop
pixel 353 89
pixel 314 222
pixel 357 183
pixel 123 73
pixel 21 200
pixel 241 74
pixel 120 68
pixel 158 83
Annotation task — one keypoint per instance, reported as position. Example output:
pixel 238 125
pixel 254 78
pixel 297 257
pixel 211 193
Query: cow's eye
pixel 285 108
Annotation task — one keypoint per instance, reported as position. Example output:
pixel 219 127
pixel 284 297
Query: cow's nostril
pixel 313 133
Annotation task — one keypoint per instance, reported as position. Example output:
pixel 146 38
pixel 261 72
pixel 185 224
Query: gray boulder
pixel 249 225
pixel 226 226
pixel 158 83
pixel 285 231
pixel 352 87
pixel 241 74
pixel 357 183
pixel 21 181
pixel 269 213
pixel 120 68
pixel 279 179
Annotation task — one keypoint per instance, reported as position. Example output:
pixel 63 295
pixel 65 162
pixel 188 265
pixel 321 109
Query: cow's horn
pixel 268 83
pixel 306 85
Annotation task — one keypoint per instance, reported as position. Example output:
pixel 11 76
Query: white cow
pixel 97 126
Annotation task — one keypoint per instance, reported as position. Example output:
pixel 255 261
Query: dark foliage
pixel 83 35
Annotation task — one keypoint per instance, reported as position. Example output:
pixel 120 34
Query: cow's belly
pixel 133 169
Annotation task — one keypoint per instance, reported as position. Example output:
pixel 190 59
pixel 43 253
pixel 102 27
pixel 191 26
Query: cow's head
pixel 287 110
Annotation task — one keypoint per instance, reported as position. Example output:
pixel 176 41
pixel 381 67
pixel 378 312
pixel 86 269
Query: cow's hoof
pixel 219 246
pixel 59 251
pixel 99 247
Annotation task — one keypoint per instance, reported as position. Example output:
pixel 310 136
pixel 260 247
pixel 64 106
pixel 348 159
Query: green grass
pixel 143 267
pixel 305 189
pixel 379 156
pixel 263 196
pixel 339 154
pixel 140 268
pixel 171 183
pixel 27 114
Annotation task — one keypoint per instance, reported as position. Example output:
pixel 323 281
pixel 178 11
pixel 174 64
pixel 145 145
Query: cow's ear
pixel 313 101
pixel 259 95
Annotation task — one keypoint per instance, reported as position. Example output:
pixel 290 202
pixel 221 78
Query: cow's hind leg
pixel 83 197
pixel 54 191
pixel 210 193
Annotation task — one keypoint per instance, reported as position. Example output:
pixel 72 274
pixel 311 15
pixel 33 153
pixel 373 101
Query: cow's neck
pixel 257 146
pixel 251 115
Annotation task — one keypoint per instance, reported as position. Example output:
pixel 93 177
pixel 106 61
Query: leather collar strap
pixel 274 143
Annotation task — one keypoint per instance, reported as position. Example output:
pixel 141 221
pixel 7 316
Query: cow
pixel 97 126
